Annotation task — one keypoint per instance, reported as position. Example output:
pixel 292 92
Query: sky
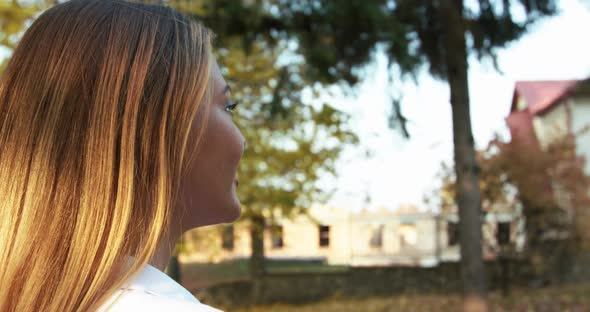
pixel 402 172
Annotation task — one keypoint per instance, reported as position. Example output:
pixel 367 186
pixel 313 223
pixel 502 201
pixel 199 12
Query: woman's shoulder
pixel 142 300
pixel 154 291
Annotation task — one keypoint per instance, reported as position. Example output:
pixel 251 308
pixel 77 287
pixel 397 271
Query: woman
pixel 115 138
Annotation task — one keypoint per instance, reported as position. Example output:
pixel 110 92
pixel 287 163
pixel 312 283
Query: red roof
pixel 541 95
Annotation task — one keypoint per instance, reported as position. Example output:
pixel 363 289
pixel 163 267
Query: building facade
pixel 368 238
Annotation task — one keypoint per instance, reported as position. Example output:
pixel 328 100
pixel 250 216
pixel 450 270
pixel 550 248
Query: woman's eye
pixel 231 107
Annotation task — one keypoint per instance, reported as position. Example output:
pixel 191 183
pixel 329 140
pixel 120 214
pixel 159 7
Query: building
pixel 368 238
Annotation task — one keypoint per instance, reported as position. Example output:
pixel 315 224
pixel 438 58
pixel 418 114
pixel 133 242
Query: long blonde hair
pixel 96 107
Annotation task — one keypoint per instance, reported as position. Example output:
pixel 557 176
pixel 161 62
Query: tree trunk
pixel 257 243
pixel 468 196
pixel 257 267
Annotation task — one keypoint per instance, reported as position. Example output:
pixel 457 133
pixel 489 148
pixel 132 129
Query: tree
pixel 338 37
pixel 291 143
pixel 550 185
pixel 553 189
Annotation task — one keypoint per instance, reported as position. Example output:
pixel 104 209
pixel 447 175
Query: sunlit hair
pixel 96 107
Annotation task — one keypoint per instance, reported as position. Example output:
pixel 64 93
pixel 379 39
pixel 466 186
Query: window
pixel 503 233
pixel 227 237
pixel 453 233
pixel 276 236
pixel 408 235
pixel 324 235
pixel 377 237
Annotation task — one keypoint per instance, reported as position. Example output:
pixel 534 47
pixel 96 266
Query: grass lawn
pixel 573 298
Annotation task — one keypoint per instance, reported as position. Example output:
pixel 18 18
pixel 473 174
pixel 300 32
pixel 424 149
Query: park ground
pixel 572 298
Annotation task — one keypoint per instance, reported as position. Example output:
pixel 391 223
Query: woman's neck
pixel 164 250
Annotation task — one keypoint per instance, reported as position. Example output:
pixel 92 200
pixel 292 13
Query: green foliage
pixel 14 18
pixel 338 37
pixel 291 143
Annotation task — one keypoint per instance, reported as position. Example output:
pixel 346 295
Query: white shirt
pixel 154 291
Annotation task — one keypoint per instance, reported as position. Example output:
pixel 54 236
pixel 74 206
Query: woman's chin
pixel 229 212
pixel 233 212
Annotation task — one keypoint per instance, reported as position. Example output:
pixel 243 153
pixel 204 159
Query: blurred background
pixel 403 155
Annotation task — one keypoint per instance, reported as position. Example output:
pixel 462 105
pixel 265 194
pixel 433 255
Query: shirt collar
pixel 152 280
